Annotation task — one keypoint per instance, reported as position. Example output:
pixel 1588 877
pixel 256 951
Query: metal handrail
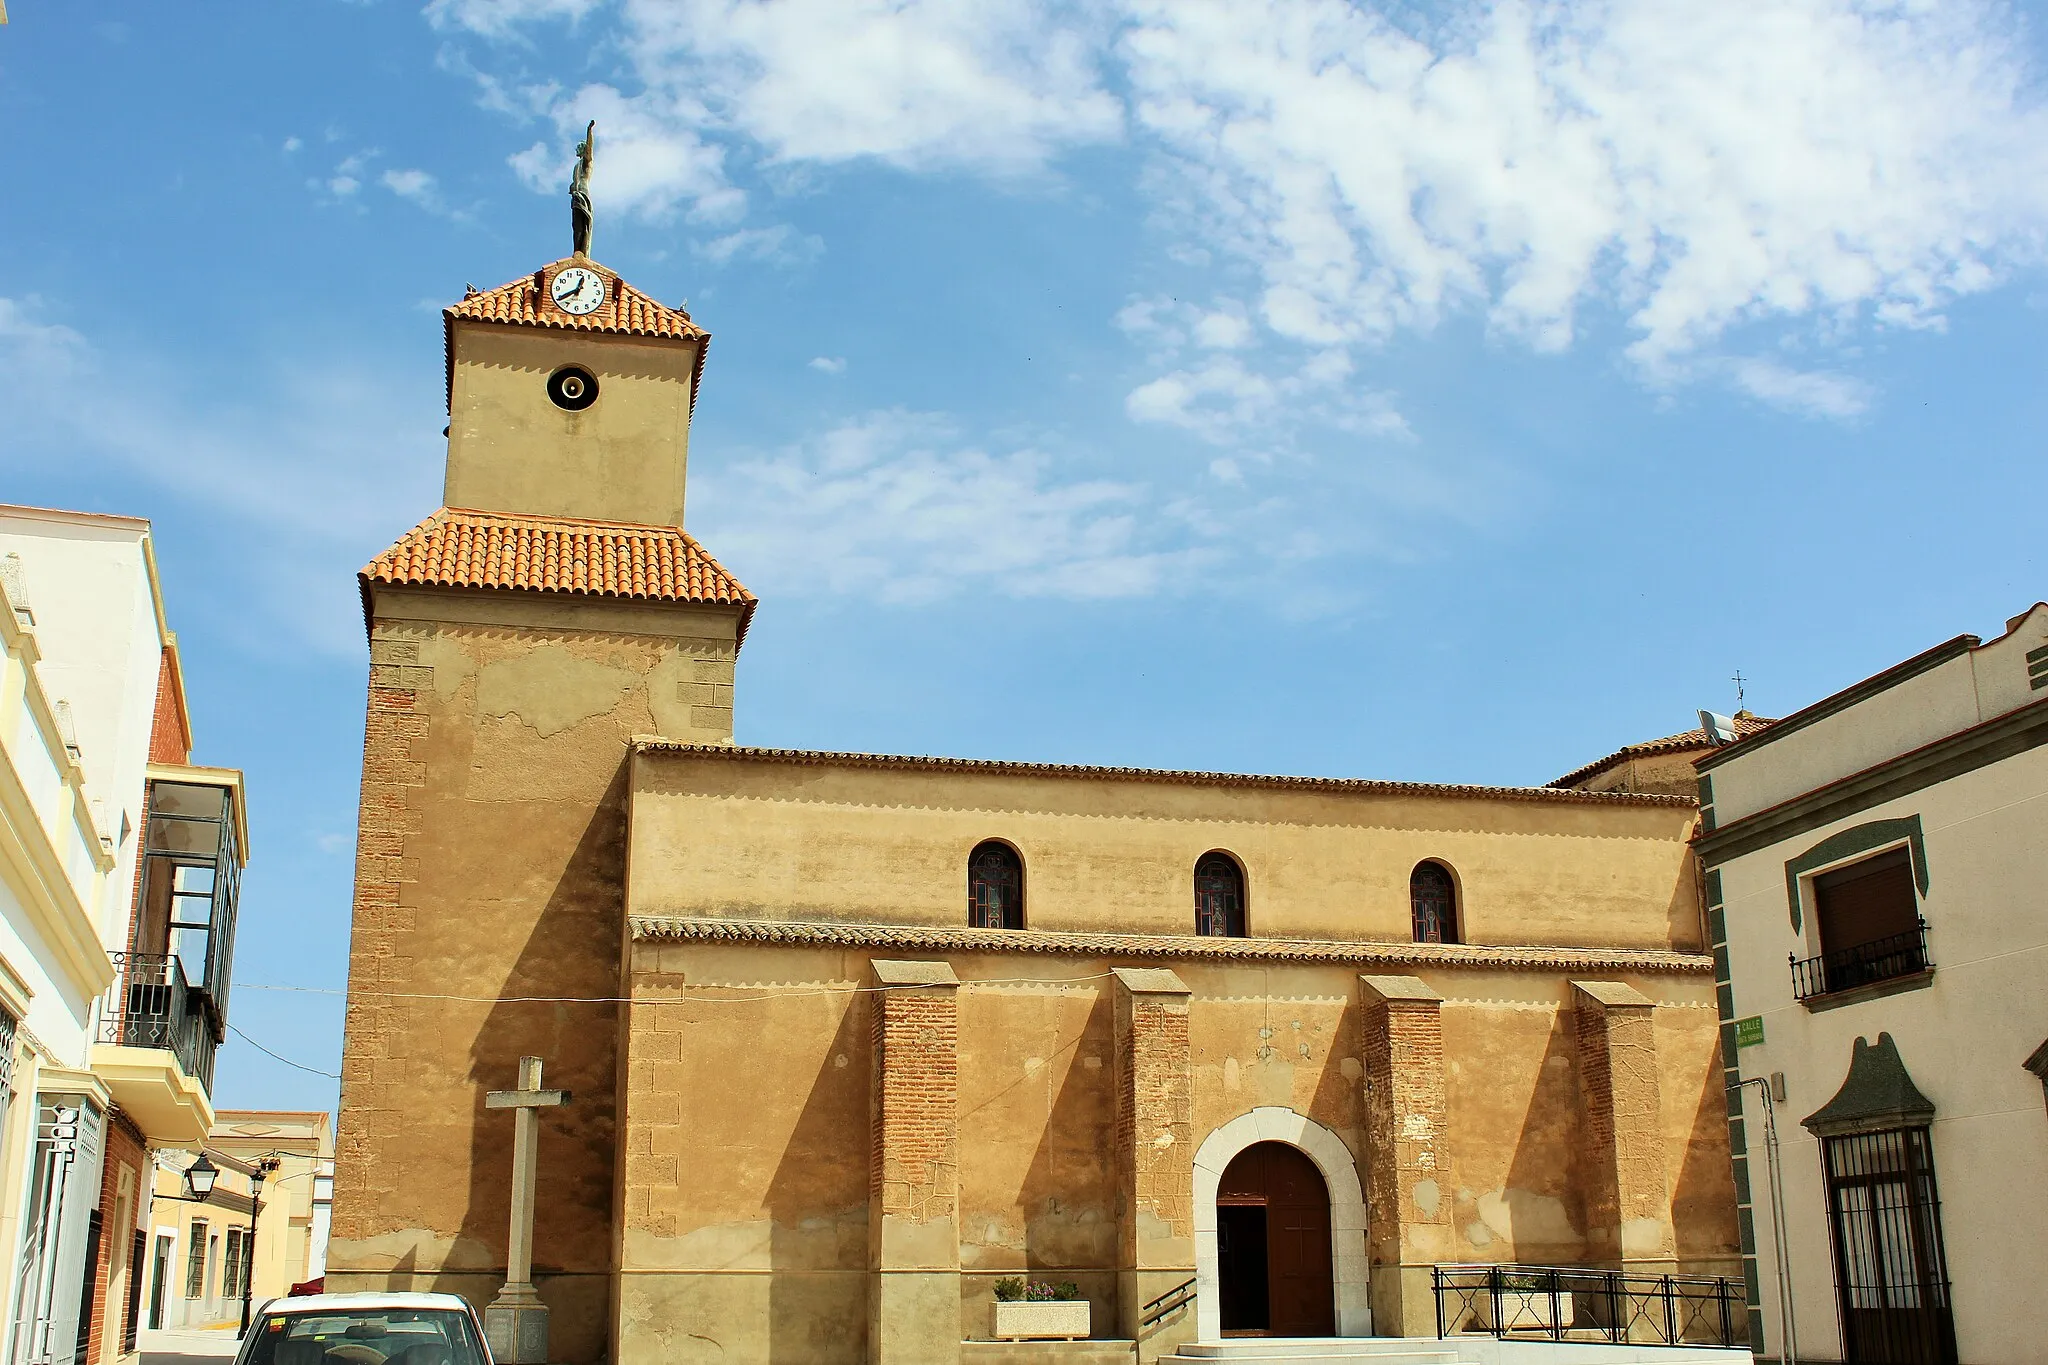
pixel 1587 1303
pixel 1181 1295
pixel 1864 964
pixel 152 1005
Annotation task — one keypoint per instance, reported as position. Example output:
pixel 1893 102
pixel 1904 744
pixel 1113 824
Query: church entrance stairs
pixel 1473 1350
pixel 1321 1350
pixel 1048 1353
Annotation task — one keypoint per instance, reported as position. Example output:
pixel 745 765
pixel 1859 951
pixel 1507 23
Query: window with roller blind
pixel 1866 902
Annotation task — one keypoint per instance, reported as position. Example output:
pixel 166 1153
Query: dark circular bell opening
pixel 572 387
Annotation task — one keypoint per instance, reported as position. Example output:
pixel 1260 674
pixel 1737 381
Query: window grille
pixel 995 887
pixel 235 1267
pixel 195 1262
pixel 1891 1273
pixel 1433 902
pixel 1219 896
pixel 8 1026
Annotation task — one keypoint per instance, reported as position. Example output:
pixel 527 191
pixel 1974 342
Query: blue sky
pixel 1430 392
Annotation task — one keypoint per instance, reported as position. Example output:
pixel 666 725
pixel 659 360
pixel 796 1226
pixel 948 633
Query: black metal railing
pixel 1572 1303
pixel 151 1004
pixel 1865 964
pixel 1167 1304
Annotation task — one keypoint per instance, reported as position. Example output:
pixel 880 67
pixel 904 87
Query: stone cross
pixel 516 1323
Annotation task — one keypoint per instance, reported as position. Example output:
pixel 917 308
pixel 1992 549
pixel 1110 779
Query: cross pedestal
pixel 516 1322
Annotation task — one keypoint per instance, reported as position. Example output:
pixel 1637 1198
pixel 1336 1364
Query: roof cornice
pixel 1153 947
pixel 1849 696
pixel 1350 786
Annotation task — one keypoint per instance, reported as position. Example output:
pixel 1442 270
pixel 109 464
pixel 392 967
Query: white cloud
pixel 1224 399
pixel 780 245
pixel 1698 165
pixel 829 364
pixel 1804 392
pixel 994 85
pixel 303 488
pixel 502 18
pixel 1815 166
pixel 900 506
pixel 654 162
pixel 415 185
pixel 292 144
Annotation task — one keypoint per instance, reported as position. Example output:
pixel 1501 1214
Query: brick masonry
pixel 914 1159
pixel 127 1152
pixel 1154 1119
pixel 1628 1199
pixel 395 728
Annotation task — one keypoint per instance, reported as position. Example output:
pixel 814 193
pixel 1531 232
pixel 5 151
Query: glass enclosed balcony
pixel 172 992
pixel 191 877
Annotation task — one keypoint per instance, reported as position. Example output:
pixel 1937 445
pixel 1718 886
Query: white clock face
pixel 578 291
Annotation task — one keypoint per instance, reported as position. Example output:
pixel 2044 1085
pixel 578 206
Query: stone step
pixel 1324 1350
pixel 1094 1352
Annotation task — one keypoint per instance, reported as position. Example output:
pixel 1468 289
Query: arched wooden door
pixel 1273 1245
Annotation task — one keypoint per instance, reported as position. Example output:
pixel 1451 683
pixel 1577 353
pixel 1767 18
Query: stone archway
pixel 1271 1123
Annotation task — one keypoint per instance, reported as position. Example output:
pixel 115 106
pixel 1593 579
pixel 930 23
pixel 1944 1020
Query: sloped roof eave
pixel 468 549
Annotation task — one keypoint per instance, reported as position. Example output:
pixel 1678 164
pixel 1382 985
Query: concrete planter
pixel 1053 1320
pixel 1525 1310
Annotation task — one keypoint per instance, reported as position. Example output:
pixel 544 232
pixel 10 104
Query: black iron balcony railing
pixel 1865 964
pixel 151 1004
pixel 1572 1303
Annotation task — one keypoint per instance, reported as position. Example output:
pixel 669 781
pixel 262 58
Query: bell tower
pixel 569 395
pixel 522 637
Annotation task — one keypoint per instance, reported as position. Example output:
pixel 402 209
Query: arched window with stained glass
pixel 995 887
pixel 1433 901
pixel 1219 896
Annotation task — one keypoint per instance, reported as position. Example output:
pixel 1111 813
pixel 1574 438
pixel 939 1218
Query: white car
pixel 365 1329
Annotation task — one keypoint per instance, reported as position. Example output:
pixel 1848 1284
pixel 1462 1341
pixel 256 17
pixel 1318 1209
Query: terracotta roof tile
pixel 1192 948
pixel 1745 726
pixel 460 548
pixel 626 312
pixel 1333 785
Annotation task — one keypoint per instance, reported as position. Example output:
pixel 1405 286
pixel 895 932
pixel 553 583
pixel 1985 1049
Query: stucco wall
pixel 1969 687
pixel 490 863
pixel 745 1191
pixel 623 458
pixel 1962 1038
pixel 726 836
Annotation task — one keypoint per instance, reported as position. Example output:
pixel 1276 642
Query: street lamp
pixel 199 1178
pixel 256 1177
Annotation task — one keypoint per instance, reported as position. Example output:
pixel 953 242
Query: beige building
pixel 204 1252
pixel 1874 889
pixel 120 863
pixel 850 1038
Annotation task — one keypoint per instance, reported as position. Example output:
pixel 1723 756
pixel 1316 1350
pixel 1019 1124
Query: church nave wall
pixel 745 834
pixel 748 1127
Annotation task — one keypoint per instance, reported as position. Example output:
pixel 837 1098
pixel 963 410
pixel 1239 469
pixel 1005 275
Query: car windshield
pixel 364 1336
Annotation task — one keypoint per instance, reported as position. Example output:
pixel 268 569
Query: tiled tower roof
pixel 625 312
pixel 460 548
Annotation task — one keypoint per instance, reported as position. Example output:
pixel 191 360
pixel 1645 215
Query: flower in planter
pixel 1014 1289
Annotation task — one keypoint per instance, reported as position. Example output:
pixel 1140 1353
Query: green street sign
pixel 1749 1032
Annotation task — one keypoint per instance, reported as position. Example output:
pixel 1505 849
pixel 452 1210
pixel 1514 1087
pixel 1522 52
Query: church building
pixel 850 1040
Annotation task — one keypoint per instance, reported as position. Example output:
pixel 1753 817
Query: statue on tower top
pixel 579 190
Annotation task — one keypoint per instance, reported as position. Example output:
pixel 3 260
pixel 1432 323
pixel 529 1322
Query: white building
pixel 1874 876
pixel 119 864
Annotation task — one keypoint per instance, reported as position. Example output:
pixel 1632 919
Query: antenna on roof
pixel 1720 729
pixel 1738 680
